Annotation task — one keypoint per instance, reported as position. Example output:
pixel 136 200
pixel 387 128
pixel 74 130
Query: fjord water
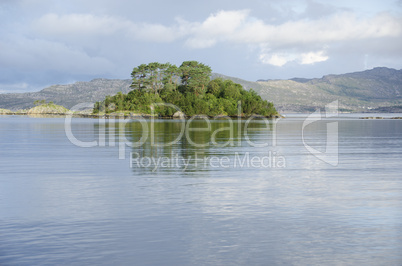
pixel 205 204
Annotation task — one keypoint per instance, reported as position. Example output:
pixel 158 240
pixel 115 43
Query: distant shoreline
pixel 195 117
pixel 125 116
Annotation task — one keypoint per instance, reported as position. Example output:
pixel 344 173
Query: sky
pixel 46 42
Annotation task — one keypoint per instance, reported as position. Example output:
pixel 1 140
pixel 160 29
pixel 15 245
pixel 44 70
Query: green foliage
pixel 137 101
pixel 214 87
pixel 195 76
pixel 157 83
pixel 230 90
pixel 40 102
pixel 154 76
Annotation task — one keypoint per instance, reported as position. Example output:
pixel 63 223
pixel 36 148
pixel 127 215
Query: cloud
pixel 239 26
pixel 342 27
pixel 70 41
pixel 73 26
pixel 313 57
pixel 155 33
pixel 278 59
pixel 299 36
pixel 27 54
pixel 281 59
pixel 302 40
pixel 198 34
pixel 78 24
pixel 200 43
pixel 217 27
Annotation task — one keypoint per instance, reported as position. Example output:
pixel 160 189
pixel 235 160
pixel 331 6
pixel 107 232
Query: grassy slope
pixel 48 109
pixel 5 111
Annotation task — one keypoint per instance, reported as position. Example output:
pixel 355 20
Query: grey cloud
pixel 45 42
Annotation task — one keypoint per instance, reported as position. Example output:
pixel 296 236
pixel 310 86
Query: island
pixel 165 90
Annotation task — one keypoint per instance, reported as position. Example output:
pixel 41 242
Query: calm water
pixel 214 198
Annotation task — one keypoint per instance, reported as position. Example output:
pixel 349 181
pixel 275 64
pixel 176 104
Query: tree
pixel 197 94
pixel 195 76
pixel 231 90
pixel 214 86
pixel 156 73
pixel 153 77
pixel 140 77
pixel 171 75
pixel 40 102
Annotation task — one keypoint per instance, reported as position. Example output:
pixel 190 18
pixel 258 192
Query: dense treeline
pixel 188 87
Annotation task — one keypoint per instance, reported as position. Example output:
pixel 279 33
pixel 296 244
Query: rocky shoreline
pixel 51 109
pixel 134 116
pixel 44 112
pixel 88 114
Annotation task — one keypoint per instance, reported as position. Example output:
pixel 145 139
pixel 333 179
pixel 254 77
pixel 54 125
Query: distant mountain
pixel 378 89
pixel 67 95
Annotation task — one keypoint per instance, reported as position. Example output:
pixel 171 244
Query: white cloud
pixel 278 59
pixel 223 23
pixel 225 26
pixel 239 26
pixel 302 41
pixel 282 58
pixel 313 57
pixel 217 27
pixel 340 27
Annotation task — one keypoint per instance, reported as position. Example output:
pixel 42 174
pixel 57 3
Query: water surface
pixel 64 204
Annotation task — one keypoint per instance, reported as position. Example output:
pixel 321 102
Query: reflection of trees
pixel 219 137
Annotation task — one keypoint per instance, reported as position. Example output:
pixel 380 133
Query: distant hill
pixel 66 95
pixel 375 90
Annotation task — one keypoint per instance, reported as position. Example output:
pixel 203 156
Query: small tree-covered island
pixel 189 88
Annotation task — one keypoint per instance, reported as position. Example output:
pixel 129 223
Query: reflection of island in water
pixel 196 145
